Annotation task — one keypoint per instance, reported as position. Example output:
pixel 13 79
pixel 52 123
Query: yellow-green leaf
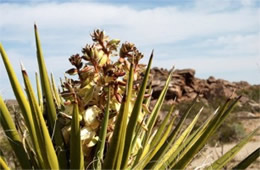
pixel 102 136
pixel 248 160
pixel 39 91
pixel 223 160
pixel 45 143
pixel 116 148
pixel 76 153
pixel 22 101
pixel 166 146
pixel 3 164
pixel 13 136
pixel 178 142
pixel 205 134
pixel 53 125
pixel 134 115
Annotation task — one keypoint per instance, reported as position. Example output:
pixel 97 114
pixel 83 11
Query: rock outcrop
pixel 185 86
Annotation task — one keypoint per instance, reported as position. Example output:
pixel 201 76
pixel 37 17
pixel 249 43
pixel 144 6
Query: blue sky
pixel 216 38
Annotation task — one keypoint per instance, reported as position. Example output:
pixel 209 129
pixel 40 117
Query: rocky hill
pixel 185 87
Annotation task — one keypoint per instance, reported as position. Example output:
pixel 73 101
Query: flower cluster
pixel 100 66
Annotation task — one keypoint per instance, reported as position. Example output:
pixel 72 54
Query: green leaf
pixel 3 164
pixel 53 125
pixel 163 161
pixel 223 160
pixel 156 137
pixel 153 117
pixel 147 101
pixel 46 146
pixel 166 146
pixel 156 110
pixel 76 153
pixel 134 116
pixel 13 136
pixel 161 129
pixel 22 101
pixel 39 91
pixel 102 136
pixel 116 148
pixel 137 135
pixel 56 95
pixel 46 85
pixel 186 145
pixel 153 149
pixel 205 134
pixel 248 160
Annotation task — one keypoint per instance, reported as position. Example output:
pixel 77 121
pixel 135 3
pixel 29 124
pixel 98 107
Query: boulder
pixel 185 86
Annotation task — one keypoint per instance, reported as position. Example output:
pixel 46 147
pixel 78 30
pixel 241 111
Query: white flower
pixel 86 133
pixel 90 117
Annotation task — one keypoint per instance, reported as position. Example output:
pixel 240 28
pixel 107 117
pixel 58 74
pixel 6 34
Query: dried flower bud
pixel 87 69
pixel 118 97
pixel 87 52
pixel 99 36
pixel 76 61
pixel 126 49
pixel 113 45
pixel 72 71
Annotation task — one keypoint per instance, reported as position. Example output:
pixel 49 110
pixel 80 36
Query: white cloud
pixel 229 68
pixel 248 3
pixel 237 44
pixel 212 5
pixel 146 26
pixel 215 65
pixel 214 38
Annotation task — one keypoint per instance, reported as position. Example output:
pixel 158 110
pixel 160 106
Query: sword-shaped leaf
pixel 223 160
pixel 248 160
pixel 76 153
pixel 156 110
pixel 102 136
pixel 13 136
pixel 213 125
pixel 3 164
pixel 153 117
pixel 185 146
pixel 39 91
pixel 166 146
pixel 178 142
pixel 162 127
pixel 46 85
pixel 116 148
pixel 52 122
pixel 22 101
pixel 134 116
pixel 45 143
pixel 55 91
pixel 153 149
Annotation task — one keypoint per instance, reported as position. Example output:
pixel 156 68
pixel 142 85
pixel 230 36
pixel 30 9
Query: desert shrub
pixel 230 131
pixel 253 92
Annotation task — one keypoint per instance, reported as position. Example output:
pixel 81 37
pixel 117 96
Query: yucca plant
pixel 101 118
